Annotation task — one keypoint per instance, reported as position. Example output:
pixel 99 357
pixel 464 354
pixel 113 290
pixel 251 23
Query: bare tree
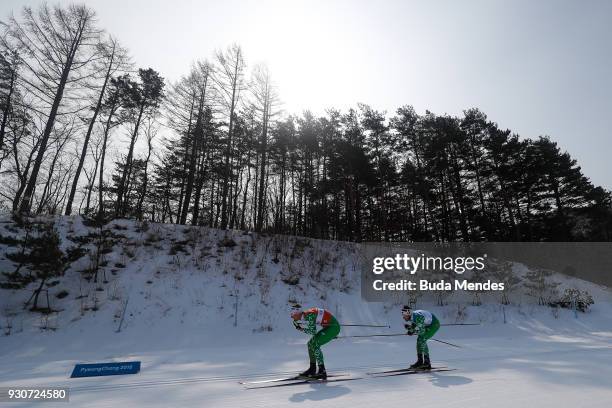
pixel 188 103
pixel 9 62
pixel 151 129
pixel 91 177
pixel 229 77
pixel 118 89
pixel 115 59
pixel 60 138
pixel 265 102
pixel 57 47
pixel 24 142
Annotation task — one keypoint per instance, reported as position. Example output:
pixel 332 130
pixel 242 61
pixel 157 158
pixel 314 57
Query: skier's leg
pixel 422 339
pixel 419 350
pixel 328 333
pixel 422 347
pixel 324 336
pixel 312 347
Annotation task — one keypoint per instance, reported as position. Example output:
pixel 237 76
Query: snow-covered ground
pixel 180 322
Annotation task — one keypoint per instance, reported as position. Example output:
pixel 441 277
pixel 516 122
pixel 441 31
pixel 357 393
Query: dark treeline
pixel 84 131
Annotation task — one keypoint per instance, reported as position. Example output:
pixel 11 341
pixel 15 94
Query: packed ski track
pixel 180 322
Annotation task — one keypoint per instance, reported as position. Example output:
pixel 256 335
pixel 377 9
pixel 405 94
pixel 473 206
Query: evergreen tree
pixel 39 259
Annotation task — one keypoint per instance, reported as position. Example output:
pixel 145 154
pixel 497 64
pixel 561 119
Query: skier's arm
pixel 409 328
pixel 298 325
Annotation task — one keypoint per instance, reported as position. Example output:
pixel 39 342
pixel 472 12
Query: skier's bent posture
pixel 424 324
pixel 307 321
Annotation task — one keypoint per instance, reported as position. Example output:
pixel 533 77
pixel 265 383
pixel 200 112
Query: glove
pixel 297 325
pixel 409 329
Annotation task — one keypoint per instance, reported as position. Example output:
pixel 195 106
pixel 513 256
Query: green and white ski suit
pixel 424 324
pixel 312 318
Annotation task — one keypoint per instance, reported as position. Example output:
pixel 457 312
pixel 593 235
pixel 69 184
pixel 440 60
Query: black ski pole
pixel 373 335
pixel 445 342
pixel 392 335
pixel 460 324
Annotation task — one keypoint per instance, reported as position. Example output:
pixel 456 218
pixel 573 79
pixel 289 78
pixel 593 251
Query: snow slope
pixel 181 322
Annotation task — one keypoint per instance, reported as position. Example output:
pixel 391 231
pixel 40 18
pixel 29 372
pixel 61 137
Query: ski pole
pixel 377 325
pixel 445 342
pixel 373 335
pixel 391 335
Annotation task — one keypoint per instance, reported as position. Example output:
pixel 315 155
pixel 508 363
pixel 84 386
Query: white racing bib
pixel 320 312
pixel 426 315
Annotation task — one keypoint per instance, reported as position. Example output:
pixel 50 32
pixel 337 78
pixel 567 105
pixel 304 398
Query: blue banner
pixel 99 369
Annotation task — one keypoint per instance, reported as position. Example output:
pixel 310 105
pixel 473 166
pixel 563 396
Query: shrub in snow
pixel 574 298
pixel 227 242
pixel 142 226
pixel 502 272
pixel 461 314
pixel 291 280
pixel 177 247
pixel 152 236
pixel 61 294
pixel 8 241
pixel 539 286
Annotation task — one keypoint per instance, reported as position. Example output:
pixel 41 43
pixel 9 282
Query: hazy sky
pixel 537 67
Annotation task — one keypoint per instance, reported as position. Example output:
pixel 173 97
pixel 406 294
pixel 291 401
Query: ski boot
pixel 322 374
pixel 426 363
pixel 419 363
pixel 311 372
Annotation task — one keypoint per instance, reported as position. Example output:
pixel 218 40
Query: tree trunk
pixel 26 202
pixel 104 143
pixel 120 208
pixel 262 171
pixel 92 123
pixel 197 137
pixel 145 181
pixel 228 169
pixel 7 110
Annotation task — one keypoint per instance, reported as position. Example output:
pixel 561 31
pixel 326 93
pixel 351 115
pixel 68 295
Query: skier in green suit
pixel 307 321
pixel 424 324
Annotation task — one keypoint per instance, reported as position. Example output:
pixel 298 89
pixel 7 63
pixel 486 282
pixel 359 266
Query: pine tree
pixel 40 259
pixel 144 99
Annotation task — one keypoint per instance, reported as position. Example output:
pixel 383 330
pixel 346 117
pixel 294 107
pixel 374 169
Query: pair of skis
pixel 407 371
pixel 297 380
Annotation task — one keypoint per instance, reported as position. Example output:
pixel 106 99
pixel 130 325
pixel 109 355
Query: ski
pixel 273 380
pixel 409 372
pixel 301 382
pixel 399 370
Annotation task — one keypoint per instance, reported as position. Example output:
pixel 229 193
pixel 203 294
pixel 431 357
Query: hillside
pixel 203 308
